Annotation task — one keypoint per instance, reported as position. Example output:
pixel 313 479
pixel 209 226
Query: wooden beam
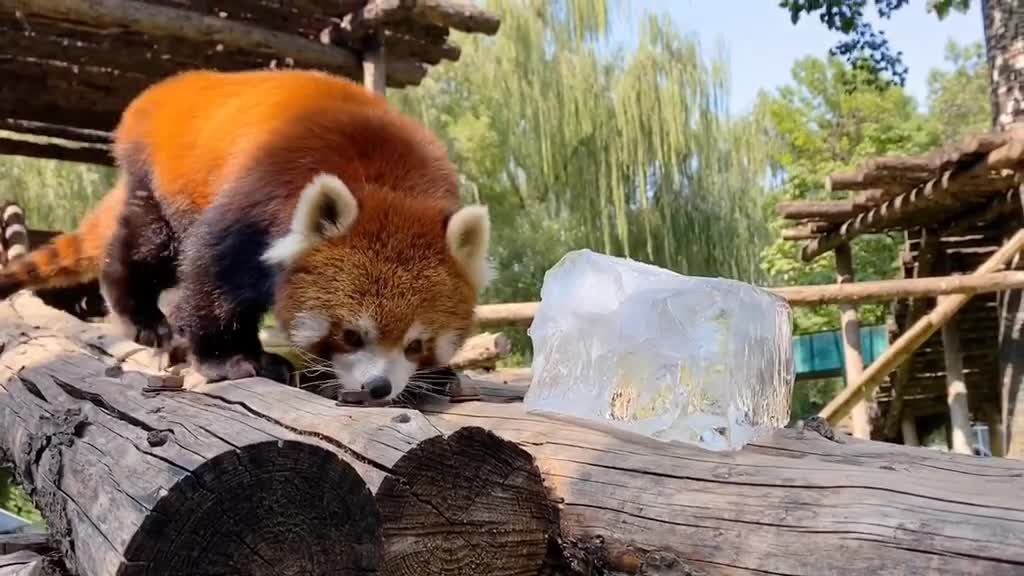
pixel 850 333
pixel 943 191
pixel 462 15
pixel 481 351
pixel 186 25
pixel 818 295
pixel 824 210
pixel 375 69
pixel 913 337
pixel 71 152
pixel 55 131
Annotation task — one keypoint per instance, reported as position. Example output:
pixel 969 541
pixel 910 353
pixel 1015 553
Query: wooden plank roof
pixel 953 188
pixel 69 67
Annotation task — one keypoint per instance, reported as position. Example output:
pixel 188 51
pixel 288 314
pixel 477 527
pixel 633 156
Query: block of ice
pixel 622 344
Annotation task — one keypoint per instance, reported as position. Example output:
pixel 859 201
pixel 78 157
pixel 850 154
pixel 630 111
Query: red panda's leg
pixel 225 291
pixel 141 263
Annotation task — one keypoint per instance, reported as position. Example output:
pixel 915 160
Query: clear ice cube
pixel 629 346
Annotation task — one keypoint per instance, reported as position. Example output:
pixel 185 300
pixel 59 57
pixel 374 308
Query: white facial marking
pixel 308 328
pixel 355 369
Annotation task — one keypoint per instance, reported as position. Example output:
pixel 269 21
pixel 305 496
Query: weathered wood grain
pixel 792 503
pixel 250 477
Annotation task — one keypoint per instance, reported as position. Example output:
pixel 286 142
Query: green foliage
pixel 54 194
pixel 864 47
pixel 14 500
pixel 810 396
pixel 958 98
pixel 571 146
pixel 831 117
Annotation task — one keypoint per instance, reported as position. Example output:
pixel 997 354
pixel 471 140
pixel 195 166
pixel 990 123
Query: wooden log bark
pixel 481 351
pixel 169 22
pixel 28 563
pixel 479 488
pixel 824 210
pixel 247 477
pixel 853 361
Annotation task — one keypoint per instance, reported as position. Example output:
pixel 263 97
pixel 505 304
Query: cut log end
pixel 471 503
pixel 235 515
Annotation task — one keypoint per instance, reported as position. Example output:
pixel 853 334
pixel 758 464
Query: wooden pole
pixel 956 391
pixel 852 293
pixel 908 425
pixel 375 69
pixel 910 340
pixel 850 332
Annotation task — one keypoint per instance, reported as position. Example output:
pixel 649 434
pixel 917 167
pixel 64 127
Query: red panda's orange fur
pixel 212 165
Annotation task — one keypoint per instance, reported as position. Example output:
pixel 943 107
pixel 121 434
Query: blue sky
pixel 761 43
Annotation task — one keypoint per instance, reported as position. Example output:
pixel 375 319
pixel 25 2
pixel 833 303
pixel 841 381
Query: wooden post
pixel 962 438
pixel 375 69
pixel 908 425
pixel 854 360
pixel 905 345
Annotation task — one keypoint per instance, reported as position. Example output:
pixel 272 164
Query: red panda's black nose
pixel 379 387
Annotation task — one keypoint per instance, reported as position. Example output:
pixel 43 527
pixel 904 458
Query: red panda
pixel 290 191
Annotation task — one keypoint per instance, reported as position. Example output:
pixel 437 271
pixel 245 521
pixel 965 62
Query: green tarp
pixel 820 355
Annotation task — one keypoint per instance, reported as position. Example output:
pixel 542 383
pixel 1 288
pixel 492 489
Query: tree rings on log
pixel 468 504
pixel 276 507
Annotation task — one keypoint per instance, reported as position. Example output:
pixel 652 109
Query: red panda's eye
pixel 414 348
pixel 352 339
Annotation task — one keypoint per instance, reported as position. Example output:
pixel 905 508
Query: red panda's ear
pixel 469 236
pixel 326 208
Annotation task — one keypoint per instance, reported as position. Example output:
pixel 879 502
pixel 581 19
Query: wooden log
pixel 507 313
pixel 824 210
pixel 375 69
pixel 29 563
pixel 913 337
pixel 69 152
pixel 817 295
pixel 248 477
pixel 853 361
pixel 462 15
pixel 161 21
pixel 481 351
pixel 962 437
pixel 793 502
pixel 55 131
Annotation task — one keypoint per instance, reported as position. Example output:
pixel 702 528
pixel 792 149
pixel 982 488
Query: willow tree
pixel 574 143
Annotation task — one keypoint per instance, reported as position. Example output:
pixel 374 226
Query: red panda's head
pixel 379 288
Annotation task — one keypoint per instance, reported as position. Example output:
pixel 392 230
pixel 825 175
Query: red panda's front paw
pixel 156 335
pixel 241 366
pixel 275 367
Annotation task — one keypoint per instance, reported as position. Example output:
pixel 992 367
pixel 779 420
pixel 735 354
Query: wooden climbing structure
pixel 70 66
pixel 956 207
